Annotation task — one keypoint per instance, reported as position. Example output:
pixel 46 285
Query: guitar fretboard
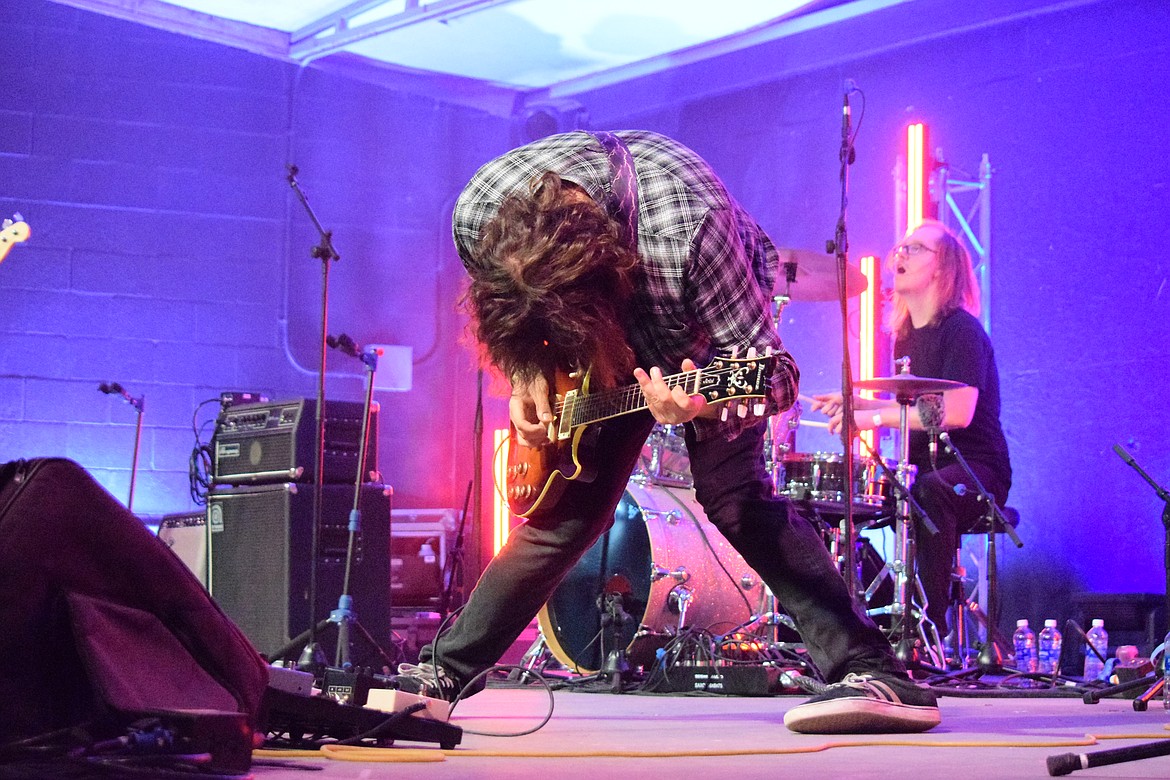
pixel 613 403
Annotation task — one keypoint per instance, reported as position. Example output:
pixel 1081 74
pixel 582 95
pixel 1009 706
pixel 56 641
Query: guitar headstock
pixel 735 378
pixel 11 234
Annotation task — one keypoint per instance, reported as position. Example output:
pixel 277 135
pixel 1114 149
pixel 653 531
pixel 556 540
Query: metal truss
pixel 972 218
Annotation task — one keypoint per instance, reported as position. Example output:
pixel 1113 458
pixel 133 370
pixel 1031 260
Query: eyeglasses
pixel 912 249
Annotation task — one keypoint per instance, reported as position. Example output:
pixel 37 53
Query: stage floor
pixel 606 735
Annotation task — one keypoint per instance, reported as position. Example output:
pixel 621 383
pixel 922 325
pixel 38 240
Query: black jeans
pixel 954 515
pixel 736 494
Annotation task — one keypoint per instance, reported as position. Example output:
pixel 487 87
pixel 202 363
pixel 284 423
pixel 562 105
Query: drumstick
pixel 814 423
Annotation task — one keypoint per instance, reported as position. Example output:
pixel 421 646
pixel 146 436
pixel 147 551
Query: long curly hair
pixel 958 287
pixel 550 285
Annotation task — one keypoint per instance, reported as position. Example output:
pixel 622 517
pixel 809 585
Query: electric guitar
pixel 11 234
pixel 537 476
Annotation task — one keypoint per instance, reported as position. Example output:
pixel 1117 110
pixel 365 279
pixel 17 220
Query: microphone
pixel 113 388
pixel 930 414
pixel 1124 455
pixel 847 152
pixel 345 344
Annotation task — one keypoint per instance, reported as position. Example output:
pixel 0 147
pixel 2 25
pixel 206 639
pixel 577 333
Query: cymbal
pixel 907 385
pixel 815 276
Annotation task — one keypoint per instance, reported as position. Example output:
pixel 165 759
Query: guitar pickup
pixel 564 423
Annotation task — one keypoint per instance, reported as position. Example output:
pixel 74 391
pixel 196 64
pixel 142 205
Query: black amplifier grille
pixel 274 442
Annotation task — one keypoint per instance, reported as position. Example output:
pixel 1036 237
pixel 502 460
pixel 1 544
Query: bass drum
pixel 663 557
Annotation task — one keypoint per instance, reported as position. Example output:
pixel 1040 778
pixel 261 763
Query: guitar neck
pixel 595 407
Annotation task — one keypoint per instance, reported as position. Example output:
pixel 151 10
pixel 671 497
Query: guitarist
pixel 623 253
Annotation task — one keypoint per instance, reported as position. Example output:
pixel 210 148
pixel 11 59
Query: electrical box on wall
pixel 419 543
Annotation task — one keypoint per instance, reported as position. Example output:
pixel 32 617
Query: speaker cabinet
pixel 186 534
pixel 260 551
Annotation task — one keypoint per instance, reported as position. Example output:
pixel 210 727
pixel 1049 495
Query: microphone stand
pixel 312 656
pixel 453 566
pixel 344 617
pixel 839 246
pixel 139 405
pixel 990 658
pixel 1158 681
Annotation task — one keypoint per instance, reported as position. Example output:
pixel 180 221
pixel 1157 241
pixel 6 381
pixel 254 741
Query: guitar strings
pixel 629 399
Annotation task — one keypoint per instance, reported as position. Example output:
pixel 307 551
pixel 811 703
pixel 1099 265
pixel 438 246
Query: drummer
pixel 934 322
pixel 568 270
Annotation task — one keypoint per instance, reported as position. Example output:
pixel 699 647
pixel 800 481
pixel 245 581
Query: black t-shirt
pixel 958 348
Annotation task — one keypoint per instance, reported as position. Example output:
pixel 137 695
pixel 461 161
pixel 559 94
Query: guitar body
pixel 536 477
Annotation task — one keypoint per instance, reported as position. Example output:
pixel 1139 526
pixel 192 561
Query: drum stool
pixel 974 604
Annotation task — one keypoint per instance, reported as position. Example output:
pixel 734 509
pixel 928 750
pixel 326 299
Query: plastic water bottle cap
pixel 1021 622
pixel 1098 622
pixel 1050 623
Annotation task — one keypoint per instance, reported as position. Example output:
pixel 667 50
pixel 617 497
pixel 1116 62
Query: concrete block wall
pixel 169 254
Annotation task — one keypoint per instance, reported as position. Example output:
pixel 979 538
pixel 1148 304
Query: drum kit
pixel 668 567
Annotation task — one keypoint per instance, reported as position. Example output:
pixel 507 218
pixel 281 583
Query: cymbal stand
pixel 776 446
pixel 927 631
pixel 907 647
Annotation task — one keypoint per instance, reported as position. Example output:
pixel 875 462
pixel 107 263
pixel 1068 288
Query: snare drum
pixel 819 478
pixel 663 556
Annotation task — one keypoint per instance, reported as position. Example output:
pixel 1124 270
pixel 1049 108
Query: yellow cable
pixel 395 755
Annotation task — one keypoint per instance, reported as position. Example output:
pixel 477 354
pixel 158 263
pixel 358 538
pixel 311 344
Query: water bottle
pixel 1049 648
pixel 1098 639
pixel 1166 671
pixel 1024 643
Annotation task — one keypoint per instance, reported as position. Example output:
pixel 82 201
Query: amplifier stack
pixel 260 520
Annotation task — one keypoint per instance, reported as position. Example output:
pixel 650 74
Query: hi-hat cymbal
pixel 907 385
pixel 805 275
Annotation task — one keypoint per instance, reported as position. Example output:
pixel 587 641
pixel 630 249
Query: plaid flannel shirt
pixel 707 268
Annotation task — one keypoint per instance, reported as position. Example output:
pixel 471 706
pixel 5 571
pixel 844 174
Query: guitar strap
pixel 623 205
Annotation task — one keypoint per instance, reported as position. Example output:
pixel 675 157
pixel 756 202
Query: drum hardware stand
pixel 1155 680
pixel 344 616
pixel 616 666
pixel 902 608
pixel 906 388
pixel 534 661
pixel 770 616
